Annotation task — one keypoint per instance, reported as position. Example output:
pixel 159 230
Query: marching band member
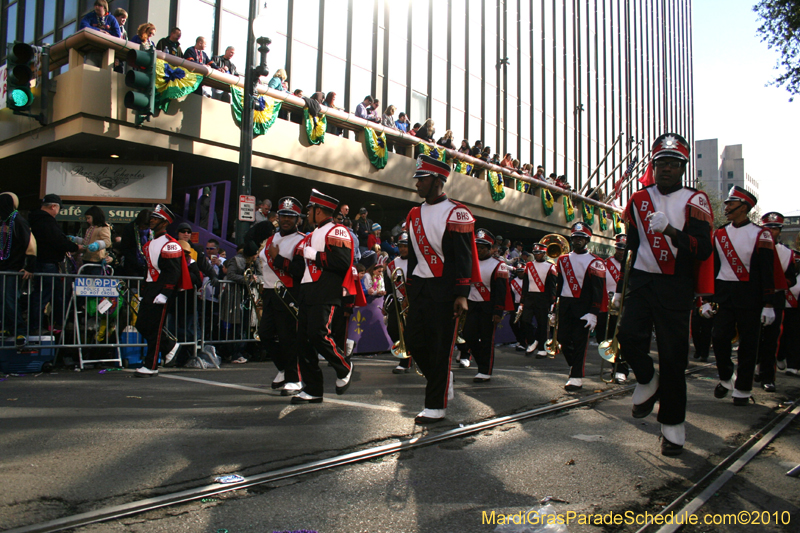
pixel 167 273
pixel 276 260
pixel 400 265
pixel 744 289
pixel 442 262
pixel 701 328
pixel 328 254
pixel 789 353
pixel 487 302
pixel 607 321
pixel 768 345
pixel 669 229
pixel 515 277
pixel 582 291
pixel 539 290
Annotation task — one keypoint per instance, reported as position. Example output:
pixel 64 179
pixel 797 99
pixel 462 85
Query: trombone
pixel 609 349
pixel 286 298
pixel 250 302
pixel 553 347
pixel 400 304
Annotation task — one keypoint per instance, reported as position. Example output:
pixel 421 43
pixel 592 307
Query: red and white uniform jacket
pixel 325 277
pixel 539 283
pixel 745 266
pixel 516 287
pixel 793 293
pixel 442 253
pixel 582 284
pixel 676 267
pixel 278 269
pixel 167 270
pixel 491 294
pixel 785 257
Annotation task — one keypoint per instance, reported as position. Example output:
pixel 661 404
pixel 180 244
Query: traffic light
pixel 20 73
pixel 142 79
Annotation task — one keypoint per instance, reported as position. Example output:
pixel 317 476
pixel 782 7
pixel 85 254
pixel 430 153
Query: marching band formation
pixel 671 269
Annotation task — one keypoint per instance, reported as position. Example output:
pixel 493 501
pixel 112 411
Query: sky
pixel 733 102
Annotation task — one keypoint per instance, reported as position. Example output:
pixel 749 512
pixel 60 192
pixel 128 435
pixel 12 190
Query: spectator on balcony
pixel 507 162
pixel 447 140
pixel 495 160
pixel 373 110
pixel 197 53
pixel 465 148
pixel 362 108
pixel 330 101
pixel 562 182
pixel 539 173
pixel 170 45
pixel 122 17
pixel 551 179
pixel 388 117
pixel 477 149
pixel 144 35
pixel 427 131
pixel 414 129
pixel 402 122
pixel 100 20
pixel 224 63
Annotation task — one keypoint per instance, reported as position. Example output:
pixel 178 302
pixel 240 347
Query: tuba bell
pixel 557 245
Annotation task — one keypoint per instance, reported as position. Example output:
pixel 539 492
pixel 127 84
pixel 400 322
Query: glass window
pixel 439 44
pixel 397 58
pixel 475 124
pixel 333 74
pixel 699 173
pixel 457 125
pixel 279 15
pixel 305 23
pixel 68 30
pixel 195 19
pixel 459 34
pixel 397 97
pixel 419 107
pixel 30 22
pixel 47 39
pixel 363 29
pixel 233 32
pixel 419 69
pixel 490 104
pixel 475 96
pixel 360 85
pixel 490 138
pixel 304 68
pixel 730 175
pixel 511 119
pixel 475 29
pixel 49 16
pixel 70 9
pixel 457 88
pixel 11 23
pixel 335 20
pixel 277 53
pixel 439 79
pixel 419 23
pixel 525 123
pixel 240 7
pixel 439 116
pixel 491 53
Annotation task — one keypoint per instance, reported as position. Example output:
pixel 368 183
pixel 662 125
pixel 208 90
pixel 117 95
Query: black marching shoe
pixel 768 386
pixel 304 398
pixel 742 402
pixel 645 408
pixel 670 449
pixel 720 391
pixel 429 416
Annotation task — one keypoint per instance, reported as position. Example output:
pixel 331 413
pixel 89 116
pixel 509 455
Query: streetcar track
pixel 172 499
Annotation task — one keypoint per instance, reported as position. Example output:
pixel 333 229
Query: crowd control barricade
pixel 230 313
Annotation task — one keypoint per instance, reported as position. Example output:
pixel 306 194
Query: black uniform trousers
pixel 643 310
pixel 150 322
pixel 768 348
pixel 314 329
pixel 393 329
pixel 790 338
pixel 430 336
pixel 573 335
pixel 277 320
pixel 729 320
pixel 608 320
pixel 479 332
pixel 537 305
pixel 516 327
pixel 701 334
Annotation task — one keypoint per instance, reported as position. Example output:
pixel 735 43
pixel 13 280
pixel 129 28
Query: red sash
pixel 313 270
pixel 516 286
pixel 613 269
pixel 791 299
pixel 483 290
pixel 658 242
pixel 536 278
pixel 435 263
pixel 285 278
pixel 731 256
pixel 399 283
pixel 569 276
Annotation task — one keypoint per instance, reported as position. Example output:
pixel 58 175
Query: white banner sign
pixel 3 85
pixel 77 180
pixel 101 287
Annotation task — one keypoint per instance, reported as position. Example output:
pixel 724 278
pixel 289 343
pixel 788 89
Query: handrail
pixel 59 53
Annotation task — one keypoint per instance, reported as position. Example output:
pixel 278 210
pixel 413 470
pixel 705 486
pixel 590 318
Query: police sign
pixel 99 287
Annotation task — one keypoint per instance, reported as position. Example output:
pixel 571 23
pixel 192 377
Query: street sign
pixel 247 208
pixel 101 287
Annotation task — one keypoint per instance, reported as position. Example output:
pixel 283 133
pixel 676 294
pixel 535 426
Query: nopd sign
pixel 100 287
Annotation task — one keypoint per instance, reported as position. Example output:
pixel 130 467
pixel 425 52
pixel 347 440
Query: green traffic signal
pixel 20 98
pixel 20 73
pixel 142 79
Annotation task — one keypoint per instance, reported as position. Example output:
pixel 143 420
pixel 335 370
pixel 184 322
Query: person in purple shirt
pixel 100 20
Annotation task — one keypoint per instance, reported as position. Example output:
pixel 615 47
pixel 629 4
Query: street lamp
pixel 259 27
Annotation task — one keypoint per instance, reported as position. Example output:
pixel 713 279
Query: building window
pixel 730 174
pixel 699 173
pixel 699 156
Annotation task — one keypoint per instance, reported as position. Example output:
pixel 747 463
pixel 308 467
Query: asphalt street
pixel 74 442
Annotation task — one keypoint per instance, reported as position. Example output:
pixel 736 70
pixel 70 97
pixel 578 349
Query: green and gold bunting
pixel 173 83
pixel 462 167
pixel 432 151
pixel 617 222
pixel 376 147
pixel 569 209
pixel 548 200
pixel 588 213
pixel 265 110
pixel 496 186
pixel 315 130
pixel 603 219
pixel 523 186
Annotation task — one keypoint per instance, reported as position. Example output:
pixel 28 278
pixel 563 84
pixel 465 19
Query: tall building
pixel 553 83
pixel 720 171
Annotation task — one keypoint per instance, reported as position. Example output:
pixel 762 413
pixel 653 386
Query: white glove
pixel 706 311
pixel 160 299
pixel 310 253
pixel 591 321
pixel 658 221
pixel 767 316
pixel 96 246
pixel 615 301
pixel 76 240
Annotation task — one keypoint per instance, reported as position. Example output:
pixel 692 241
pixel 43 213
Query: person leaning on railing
pixel 17 254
